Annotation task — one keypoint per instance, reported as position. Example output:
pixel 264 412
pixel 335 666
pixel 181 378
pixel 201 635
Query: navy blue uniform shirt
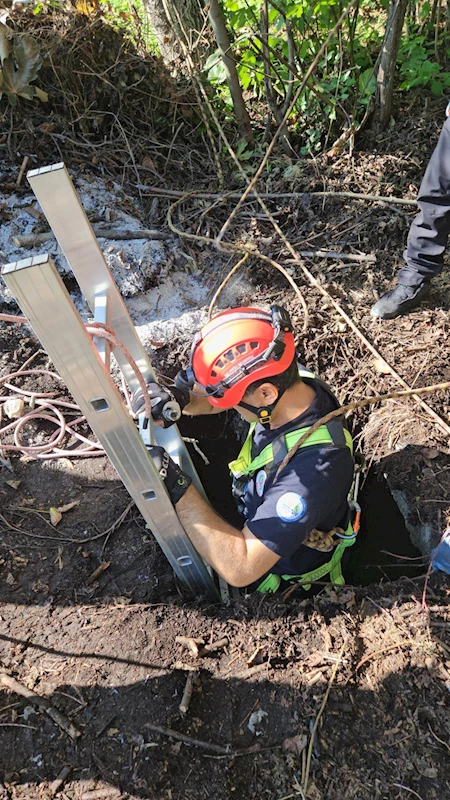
pixel 311 492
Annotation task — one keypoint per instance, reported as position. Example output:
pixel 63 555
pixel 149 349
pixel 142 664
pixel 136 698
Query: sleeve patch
pixel 260 482
pixel 290 507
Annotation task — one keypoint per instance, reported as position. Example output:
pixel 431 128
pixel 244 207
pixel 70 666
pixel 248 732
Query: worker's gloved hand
pixel 167 402
pixel 175 480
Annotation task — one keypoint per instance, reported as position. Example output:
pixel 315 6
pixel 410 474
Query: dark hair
pixel 281 382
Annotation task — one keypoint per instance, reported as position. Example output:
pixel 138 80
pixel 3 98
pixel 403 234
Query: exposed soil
pixel 369 665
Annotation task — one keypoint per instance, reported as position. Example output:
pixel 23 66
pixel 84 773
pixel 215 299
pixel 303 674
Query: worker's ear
pixel 264 395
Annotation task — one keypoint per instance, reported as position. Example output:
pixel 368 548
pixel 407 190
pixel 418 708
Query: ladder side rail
pixel 40 292
pixel 67 218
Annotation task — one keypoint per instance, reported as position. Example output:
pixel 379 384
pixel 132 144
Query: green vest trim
pixel 333 568
pixel 243 465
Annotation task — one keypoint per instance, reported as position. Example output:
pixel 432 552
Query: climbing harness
pixel 243 468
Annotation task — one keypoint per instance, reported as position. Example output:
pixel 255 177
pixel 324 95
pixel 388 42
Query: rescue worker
pixel 427 238
pixel 296 529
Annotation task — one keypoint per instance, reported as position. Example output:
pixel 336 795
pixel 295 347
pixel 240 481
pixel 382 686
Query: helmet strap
pixel 264 413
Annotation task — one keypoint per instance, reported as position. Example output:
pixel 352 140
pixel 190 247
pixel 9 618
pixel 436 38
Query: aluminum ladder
pixel 84 365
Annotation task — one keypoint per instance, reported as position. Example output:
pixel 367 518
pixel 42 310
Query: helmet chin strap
pixel 264 413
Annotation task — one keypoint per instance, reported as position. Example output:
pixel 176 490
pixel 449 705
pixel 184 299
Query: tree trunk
pixel 388 60
pixel 217 21
pixel 174 20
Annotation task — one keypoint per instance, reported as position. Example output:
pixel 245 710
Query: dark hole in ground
pixel 382 529
pixel 382 524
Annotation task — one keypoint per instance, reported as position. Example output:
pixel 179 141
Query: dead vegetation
pixel 347 694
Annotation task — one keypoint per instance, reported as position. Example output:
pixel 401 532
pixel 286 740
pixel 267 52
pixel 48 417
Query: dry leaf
pixel 256 657
pixel 55 516
pixel 19 68
pixel 380 365
pixel 13 484
pixel 5 47
pixel 67 507
pixel 295 745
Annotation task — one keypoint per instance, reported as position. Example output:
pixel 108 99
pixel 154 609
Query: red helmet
pixel 239 347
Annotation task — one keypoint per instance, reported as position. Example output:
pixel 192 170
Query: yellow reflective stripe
pixel 270 584
pixel 241 465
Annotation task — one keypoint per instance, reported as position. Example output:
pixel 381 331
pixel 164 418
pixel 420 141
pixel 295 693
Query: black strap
pixel 336 431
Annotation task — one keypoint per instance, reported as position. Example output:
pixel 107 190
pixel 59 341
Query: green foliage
pixel 418 66
pixel 341 90
pixel 21 61
pixel 343 80
pixel 131 19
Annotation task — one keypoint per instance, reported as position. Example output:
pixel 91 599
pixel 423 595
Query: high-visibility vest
pixel 332 434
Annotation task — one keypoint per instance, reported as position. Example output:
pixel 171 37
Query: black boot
pixel 398 300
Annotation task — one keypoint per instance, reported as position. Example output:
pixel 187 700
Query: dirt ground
pixel 366 671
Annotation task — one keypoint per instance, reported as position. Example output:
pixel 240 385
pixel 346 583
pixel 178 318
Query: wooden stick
pixel 247 673
pixel 214 646
pixel 407 643
pixel 59 780
pixel 42 703
pixel 317 719
pixel 216 748
pixel 97 572
pixel 191 680
pixel 33 239
pixel 360 258
pixel 190 643
pixel 22 170
pixel 373 198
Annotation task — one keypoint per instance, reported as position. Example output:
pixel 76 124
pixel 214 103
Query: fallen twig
pixel 368 401
pixel 441 741
pixel 22 170
pixel 190 643
pixel 59 780
pixel 97 572
pixel 33 239
pixel 42 703
pixel 407 789
pixel 317 719
pixel 182 667
pixel 216 748
pixel 247 673
pixel 224 283
pixel 232 248
pixel 191 680
pixel 373 198
pixel 214 646
pixel 376 653
pixel 17 725
pixel 360 258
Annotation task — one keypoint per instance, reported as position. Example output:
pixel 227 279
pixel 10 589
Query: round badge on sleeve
pixel 291 507
pixel 260 482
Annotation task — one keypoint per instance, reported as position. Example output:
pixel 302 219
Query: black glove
pixel 175 480
pixel 167 403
